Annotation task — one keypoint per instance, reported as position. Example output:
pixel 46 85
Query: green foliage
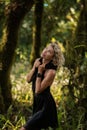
pixel 21 107
pixel 71 115
pixel 69 88
pixel 7 124
pixel 59 21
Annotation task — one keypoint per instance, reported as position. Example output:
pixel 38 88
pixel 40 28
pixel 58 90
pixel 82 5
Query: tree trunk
pixel 37 30
pixel 2 17
pixel 77 63
pixel 81 38
pixel 15 13
pixel 76 49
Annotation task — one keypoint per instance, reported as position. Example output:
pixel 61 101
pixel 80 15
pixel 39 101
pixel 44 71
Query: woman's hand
pixel 30 74
pixel 36 63
pixel 41 68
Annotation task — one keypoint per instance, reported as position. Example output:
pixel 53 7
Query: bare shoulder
pixel 50 73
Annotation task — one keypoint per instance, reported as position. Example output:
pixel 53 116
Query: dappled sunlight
pixel 61 80
pixel 21 90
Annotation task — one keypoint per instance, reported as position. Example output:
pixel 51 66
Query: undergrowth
pixel 21 108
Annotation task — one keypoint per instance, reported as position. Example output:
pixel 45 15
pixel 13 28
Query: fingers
pixel 36 63
pixel 41 68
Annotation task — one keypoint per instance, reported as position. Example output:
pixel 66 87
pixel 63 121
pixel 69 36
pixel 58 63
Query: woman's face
pixel 48 53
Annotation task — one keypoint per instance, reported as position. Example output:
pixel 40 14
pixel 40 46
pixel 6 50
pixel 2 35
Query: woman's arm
pixel 47 81
pixel 30 74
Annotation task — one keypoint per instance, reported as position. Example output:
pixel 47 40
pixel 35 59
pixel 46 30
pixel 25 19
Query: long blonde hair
pixel 58 58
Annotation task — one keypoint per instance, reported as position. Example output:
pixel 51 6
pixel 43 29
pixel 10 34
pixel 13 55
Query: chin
pixel 43 56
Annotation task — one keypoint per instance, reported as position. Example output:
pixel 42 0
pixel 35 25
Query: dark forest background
pixel 26 27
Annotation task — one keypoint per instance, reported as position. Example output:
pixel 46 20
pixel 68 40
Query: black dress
pixel 44 107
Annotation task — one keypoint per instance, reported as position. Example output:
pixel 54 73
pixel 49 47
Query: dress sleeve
pixel 50 65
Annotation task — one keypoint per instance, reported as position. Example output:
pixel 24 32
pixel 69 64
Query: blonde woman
pixel 42 76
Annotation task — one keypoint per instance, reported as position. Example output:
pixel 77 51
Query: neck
pixel 44 61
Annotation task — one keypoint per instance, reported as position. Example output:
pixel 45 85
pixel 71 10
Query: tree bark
pixel 77 62
pixel 37 30
pixel 15 13
pixel 81 38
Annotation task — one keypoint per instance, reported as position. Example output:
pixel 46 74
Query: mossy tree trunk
pixel 81 49
pixel 2 17
pixel 15 13
pixel 76 49
pixel 77 63
pixel 37 30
